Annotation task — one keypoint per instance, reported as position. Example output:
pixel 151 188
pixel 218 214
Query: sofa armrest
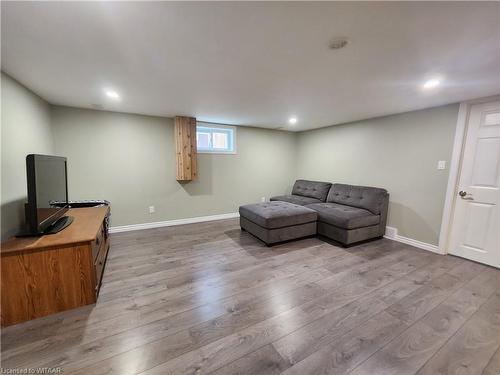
pixel 384 210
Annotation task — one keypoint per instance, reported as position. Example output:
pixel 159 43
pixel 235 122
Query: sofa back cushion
pixel 311 189
pixel 370 198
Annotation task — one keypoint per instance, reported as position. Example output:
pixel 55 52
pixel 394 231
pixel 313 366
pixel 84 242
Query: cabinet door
pixel 46 281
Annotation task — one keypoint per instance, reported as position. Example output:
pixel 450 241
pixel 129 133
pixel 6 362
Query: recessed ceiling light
pixel 432 83
pixel 292 120
pixel 112 94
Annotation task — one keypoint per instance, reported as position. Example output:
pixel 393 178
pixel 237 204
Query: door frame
pixel 455 165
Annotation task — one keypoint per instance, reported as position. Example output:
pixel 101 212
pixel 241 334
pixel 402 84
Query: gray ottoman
pixel 274 222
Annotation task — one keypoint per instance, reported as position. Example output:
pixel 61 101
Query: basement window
pixel 215 139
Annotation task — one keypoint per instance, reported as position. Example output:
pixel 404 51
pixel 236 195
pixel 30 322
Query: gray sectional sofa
pixel 344 213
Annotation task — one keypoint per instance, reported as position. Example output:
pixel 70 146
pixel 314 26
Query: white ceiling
pixel 254 64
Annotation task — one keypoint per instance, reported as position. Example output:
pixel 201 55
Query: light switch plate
pixel 151 209
pixel 442 164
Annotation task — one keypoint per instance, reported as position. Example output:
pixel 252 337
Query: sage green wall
pixel 399 153
pixel 26 129
pixel 130 160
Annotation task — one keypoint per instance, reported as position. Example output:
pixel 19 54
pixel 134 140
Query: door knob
pixel 464 195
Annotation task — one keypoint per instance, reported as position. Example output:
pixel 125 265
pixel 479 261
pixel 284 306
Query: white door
pixel 476 220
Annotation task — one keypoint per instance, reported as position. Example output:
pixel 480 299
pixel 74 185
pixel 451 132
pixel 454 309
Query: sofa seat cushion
pixel 342 216
pixel 295 199
pixel 312 189
pixel 277 214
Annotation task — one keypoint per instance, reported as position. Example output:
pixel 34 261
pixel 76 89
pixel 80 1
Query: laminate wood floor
pixel 208 298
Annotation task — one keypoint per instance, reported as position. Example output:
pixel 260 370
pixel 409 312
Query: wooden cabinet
pixel 185 148
pixel 52 273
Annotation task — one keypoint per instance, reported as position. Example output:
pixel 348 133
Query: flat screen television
pixel 47 194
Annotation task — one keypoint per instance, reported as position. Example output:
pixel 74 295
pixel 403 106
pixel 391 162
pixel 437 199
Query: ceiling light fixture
pixel 432 83
pixel 112 94
pixel 292 120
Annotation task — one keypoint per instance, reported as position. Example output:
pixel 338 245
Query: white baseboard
pixel 392 234
pixel 169 223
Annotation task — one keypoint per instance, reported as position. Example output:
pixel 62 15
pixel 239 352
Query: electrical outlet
pixel 441 164
pixel 151 209
pixel 263 199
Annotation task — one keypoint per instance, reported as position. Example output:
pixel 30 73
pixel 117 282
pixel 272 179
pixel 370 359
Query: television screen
pixel 50 175
pixel 47 184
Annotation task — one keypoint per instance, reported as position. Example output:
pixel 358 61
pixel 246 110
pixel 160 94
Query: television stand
pixel 48 274
pixel 59 225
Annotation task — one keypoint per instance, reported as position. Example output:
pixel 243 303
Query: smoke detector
pixel 339 43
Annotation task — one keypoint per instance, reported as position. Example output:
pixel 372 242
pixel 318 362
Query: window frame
pixel 213 126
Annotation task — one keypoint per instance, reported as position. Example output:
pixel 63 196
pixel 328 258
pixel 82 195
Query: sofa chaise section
pixel 274 222
pixel 306 192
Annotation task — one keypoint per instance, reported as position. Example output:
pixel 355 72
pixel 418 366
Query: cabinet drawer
pixel 99 263
pixel 98 243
